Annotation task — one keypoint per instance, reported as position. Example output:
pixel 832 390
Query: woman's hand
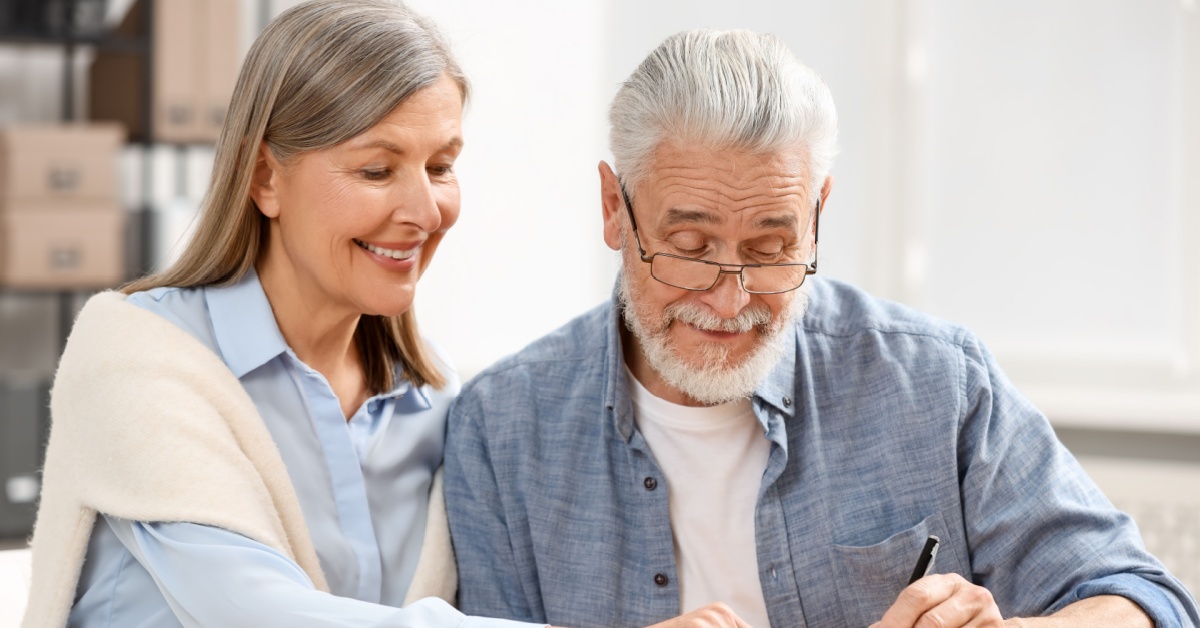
pixel 716 615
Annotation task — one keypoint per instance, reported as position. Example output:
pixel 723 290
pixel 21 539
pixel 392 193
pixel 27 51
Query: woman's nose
pixel 418 205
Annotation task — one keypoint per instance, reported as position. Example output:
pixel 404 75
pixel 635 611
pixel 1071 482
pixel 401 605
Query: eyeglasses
pixel 689 273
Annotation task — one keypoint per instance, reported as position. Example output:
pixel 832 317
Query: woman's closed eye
pixel 441 170
pixel 375 174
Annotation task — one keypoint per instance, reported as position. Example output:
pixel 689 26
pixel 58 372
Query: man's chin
pixel 713 357
pixel 714 376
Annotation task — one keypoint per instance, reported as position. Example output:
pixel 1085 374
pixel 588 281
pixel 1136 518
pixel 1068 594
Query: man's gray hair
pixel 733 89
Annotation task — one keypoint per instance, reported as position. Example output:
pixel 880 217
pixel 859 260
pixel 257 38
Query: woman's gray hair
pixel 343 66
pixel 733 89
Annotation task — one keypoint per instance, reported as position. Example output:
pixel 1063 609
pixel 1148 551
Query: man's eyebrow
pixel 781 221
pixel 677 216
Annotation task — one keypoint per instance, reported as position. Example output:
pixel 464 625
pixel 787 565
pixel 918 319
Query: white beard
pixel 715 380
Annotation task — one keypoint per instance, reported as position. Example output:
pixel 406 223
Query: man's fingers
pixel 942 601
pixel 918 597
pixel 970 606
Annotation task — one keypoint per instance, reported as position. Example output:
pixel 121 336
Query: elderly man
pixel 726 431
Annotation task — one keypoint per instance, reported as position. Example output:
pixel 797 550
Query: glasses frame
pixel 809 268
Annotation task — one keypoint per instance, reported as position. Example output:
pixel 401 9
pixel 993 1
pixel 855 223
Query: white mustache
pixel 694 315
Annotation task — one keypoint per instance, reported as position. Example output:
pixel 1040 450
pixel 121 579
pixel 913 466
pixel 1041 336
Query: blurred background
pixel 1030 169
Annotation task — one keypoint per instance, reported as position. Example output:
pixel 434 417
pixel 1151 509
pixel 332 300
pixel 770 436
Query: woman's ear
pixel 264 184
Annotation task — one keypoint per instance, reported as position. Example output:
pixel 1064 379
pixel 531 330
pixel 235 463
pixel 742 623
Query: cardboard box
pixel 193 71
pixel 61 162
pixel 221 64
pixel 177 75
pixel 49 245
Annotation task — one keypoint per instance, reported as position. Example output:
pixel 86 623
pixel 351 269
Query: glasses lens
pixel 773 278
pixel 689 274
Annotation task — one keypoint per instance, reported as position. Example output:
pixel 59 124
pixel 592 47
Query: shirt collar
pixel 776 390
pixel 244 324
pixel 780 385
pixel 248 337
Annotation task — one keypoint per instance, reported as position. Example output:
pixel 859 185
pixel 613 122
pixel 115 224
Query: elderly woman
pixel 250 437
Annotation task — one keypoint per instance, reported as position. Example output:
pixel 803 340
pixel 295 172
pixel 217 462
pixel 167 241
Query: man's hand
pixel 942 601
pixel 712 616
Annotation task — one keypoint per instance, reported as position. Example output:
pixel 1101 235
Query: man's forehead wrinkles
pixel 707 177
pixel 727 195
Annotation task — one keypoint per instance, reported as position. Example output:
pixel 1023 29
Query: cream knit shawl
pixel 150 425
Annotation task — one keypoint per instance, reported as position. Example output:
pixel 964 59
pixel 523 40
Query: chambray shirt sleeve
pixel 489 582
pixel 214 577
pixel 1033 515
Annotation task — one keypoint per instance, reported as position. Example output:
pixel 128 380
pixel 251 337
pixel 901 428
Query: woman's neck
pixel 319 332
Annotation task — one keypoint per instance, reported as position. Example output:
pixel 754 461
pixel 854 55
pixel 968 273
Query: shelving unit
pixel 24 400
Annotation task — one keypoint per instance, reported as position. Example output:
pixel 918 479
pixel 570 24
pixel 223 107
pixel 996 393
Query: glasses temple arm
pixel 632 221
pixel 816 235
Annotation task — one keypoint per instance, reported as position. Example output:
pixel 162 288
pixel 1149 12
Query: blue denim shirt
pixel 886 426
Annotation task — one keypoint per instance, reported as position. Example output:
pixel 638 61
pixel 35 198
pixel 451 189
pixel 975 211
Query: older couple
pixel 251 437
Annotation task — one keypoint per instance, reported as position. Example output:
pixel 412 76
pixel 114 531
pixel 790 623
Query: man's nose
pixel 727 298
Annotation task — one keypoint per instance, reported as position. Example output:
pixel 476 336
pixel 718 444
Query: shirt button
pixel 660 579
pixel 787 402
pixel 774 574
pixel 650 484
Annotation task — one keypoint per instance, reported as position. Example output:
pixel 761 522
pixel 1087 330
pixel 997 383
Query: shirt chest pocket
pixel 870 577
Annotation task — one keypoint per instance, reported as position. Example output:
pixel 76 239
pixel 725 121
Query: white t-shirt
pixel 713 459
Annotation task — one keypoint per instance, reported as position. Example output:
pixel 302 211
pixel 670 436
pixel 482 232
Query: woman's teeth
pixel 387 252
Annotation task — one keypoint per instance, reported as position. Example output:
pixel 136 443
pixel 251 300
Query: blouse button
pixel 660 579
pixel 650 484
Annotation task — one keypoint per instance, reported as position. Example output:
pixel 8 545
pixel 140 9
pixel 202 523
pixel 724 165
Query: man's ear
pixel 612 206
pixel 825 189
pixel 264 184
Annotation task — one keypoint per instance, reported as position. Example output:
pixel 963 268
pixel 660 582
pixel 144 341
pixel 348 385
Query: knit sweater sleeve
pixel 149 425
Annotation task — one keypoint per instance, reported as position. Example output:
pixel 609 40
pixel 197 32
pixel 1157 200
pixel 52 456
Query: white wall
pixel 527 255
pixel 1051 194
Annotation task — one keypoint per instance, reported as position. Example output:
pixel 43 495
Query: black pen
pixel 925 560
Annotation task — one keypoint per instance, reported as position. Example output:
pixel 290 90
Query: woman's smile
pixel 392 256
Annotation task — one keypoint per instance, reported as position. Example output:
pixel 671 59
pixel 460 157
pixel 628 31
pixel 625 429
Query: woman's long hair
pixel 321 73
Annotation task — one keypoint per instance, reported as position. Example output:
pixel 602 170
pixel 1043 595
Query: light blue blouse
pixel 363 486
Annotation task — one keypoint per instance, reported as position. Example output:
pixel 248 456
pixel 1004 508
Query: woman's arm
pixel 213 577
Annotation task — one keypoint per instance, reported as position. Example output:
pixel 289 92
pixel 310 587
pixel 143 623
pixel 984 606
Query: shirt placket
pixel 345 472
pixel 776 569
pixel 655 578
